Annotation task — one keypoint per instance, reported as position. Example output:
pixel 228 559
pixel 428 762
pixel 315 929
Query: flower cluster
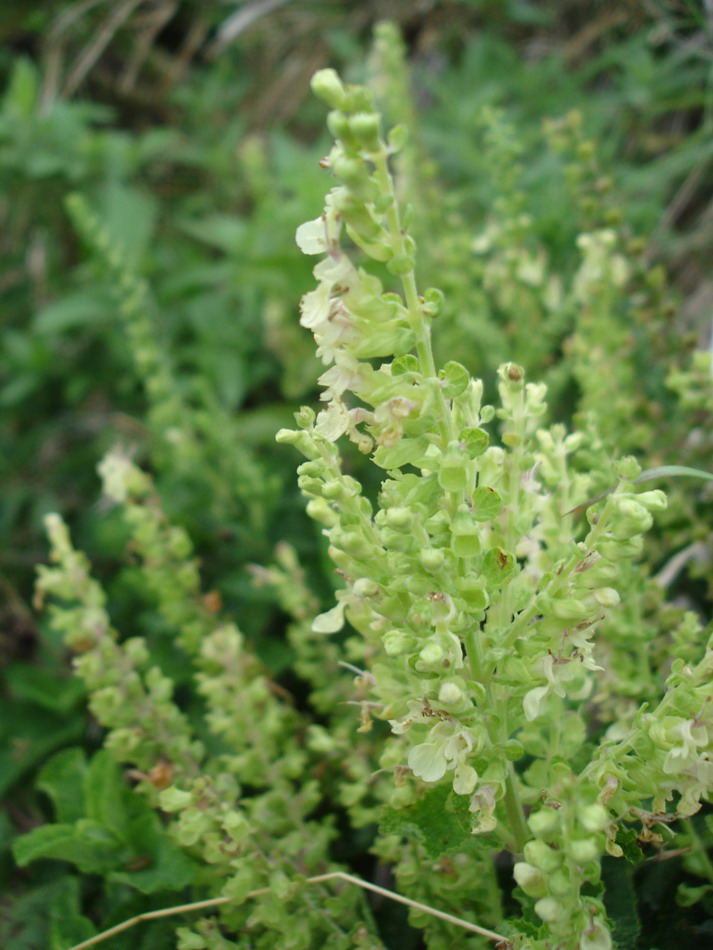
pixel 477 594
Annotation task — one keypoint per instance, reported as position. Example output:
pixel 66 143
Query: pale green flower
pixel 321 235
pixel 331 621
pixel 427 761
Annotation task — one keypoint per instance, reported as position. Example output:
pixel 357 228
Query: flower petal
pixel 312 238
pixel 533 702
pixel 330 621
pixel 427 761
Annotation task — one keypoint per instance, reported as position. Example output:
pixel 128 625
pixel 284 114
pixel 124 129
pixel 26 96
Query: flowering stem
pixel 424 350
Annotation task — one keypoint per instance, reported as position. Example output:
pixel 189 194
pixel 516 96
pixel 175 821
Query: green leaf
pixel 29 734
pixel 85 308
pixel 23 921
pixel 62 779
pixel 475 440
pixel 687 896
pixel 106 794
pixel 68 926
pixel 405 364
pixel 405 452
pixel 487 504
pixel 157 863
pixel 627 839
pixel 44 687
pixel 454 379
pixel 621 902
pixel 129 216
pixel 21 95
pixel 440 821
pixel 223 231
pixel 93 848
pixel 498 566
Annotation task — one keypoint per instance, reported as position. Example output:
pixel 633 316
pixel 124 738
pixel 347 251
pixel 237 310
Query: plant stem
pixel 317 879
pixel 424 350
pixel 513 809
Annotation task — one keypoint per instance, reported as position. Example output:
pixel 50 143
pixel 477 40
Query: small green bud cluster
pixel 666 755
pixel 563 856
pixel 575 599
pixel 127 695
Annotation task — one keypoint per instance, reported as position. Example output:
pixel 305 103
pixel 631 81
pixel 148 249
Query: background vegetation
pixel 155 160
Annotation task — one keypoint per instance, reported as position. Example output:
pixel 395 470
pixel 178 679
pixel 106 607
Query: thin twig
pixel 318 879
pixel 53 51
pixel 239 21
pixel 153 24
pixel 698 551
pixel 99 43
pixel 192 42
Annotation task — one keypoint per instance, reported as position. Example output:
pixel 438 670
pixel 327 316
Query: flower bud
pixel 542 856
pixel 513 750
pixel 433 301
pixel 653 500
pixel 399 517
pixel 333 489
pixel 602 572
pixel 432 559
pixel 530 879
pixel 559 883
pixel 431 654
pixel 606 597
pixel 319 510
pixel 616 550
pixel 471 589
pixel 453 472
pixel 310 486
pixel 356 215
pixel 570 609
pixel 632 519
pixel 593 817
pixel 512 375
pixel 400 264
pixel 549 910
pixel 465 535
pixel 328 87
pixel 450 694
pixel 352 542
pixel 349 170
pixel 338 125
pixel 365 587
pixel 365 128
pixel 627 468
pixel 583 850
pixel 397 643
pixel 313 468
pixel 543 823
pixel 136 650
pixel 300 439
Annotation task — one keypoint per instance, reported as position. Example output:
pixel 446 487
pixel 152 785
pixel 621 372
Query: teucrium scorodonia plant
pixel 516 692
pixel 478 597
